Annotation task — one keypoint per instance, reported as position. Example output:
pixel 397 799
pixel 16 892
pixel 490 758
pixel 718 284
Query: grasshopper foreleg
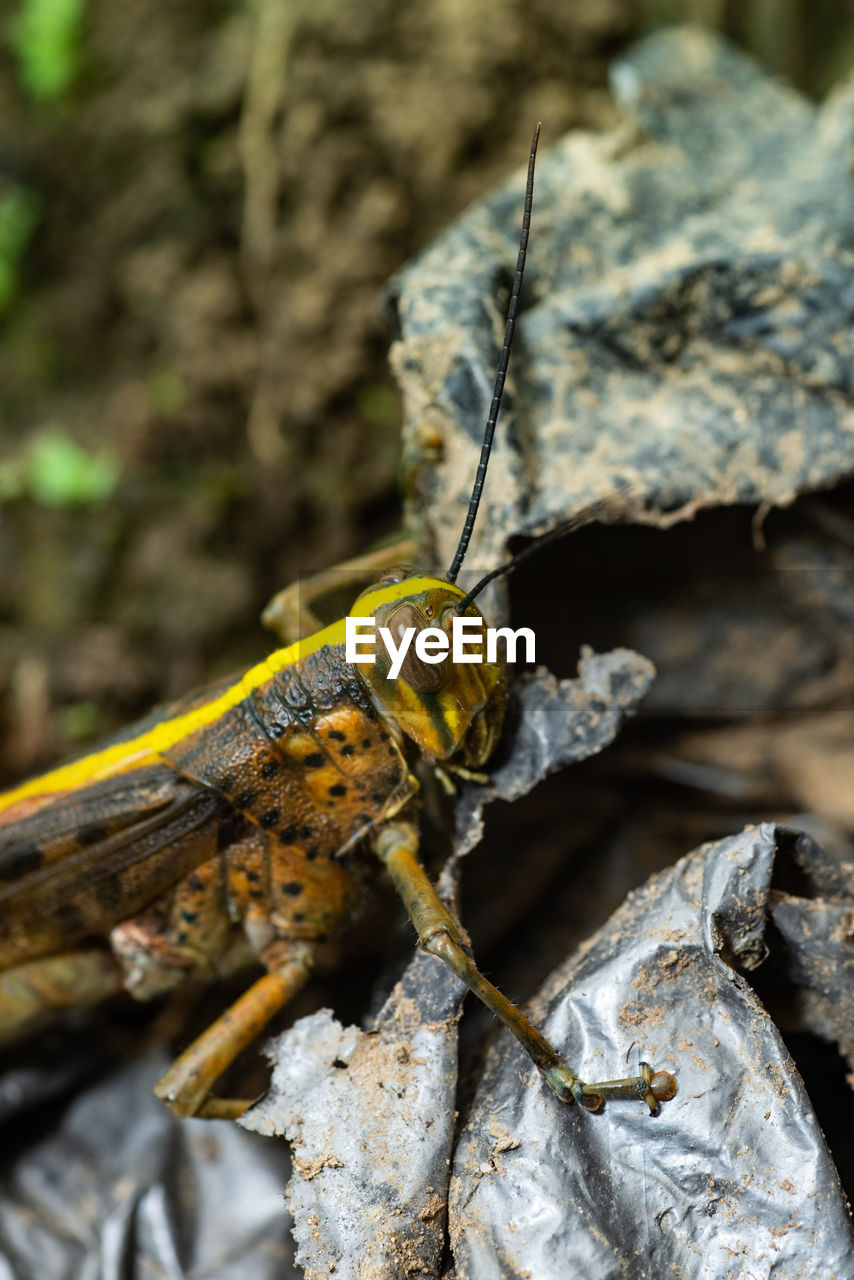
pixel 440 935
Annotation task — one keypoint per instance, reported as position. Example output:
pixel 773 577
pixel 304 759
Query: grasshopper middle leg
pixel 186 1086
pixel 439 934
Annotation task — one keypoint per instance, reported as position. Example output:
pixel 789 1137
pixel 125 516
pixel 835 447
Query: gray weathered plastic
pixel 731 1179
pixel 686 326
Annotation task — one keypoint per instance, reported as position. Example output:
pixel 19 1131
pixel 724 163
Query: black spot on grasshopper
pixel 269 767
pixel 316 760
pixel 293 888
pixel 109 894
pixel 348 750
pixel 337 736
pixel 70 917
pixel 337 789
pixel 19 861
pixel 270 818
pixel 91 834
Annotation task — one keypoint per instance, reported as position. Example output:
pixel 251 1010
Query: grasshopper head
pixel 452 710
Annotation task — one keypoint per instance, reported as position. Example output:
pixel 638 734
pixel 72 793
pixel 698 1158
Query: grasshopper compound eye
pixel 422 676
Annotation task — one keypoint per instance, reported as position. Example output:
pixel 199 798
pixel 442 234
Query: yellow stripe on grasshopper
pixel 146 749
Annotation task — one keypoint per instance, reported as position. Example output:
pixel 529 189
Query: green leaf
pixel 61 474
pixel 19 215
pixel 45 37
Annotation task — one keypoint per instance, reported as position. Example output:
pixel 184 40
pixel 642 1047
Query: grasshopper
pixel 212 834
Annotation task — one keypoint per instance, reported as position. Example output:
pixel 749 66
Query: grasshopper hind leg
pixel 440 935
pixel 31 994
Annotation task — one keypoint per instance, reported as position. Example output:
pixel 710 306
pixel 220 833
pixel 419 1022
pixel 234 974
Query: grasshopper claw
pixel 649 1087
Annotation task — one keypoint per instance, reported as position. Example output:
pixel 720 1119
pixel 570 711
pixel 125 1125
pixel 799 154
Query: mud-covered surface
pixel 685 338
pixel 219 200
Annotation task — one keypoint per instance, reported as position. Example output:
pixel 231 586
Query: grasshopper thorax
pixel 453 710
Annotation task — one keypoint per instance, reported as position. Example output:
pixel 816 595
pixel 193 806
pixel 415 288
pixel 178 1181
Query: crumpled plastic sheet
pixel 733 1173
pixel 121 1189
pixel 686 325
pixel 558 723
pixel 732 1178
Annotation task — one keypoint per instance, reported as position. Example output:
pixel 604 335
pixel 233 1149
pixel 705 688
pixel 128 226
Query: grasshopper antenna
pixel 610 506
pixel 498 389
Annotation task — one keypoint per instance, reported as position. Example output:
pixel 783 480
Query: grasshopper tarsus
pixel 649 1087
pixel 223 1108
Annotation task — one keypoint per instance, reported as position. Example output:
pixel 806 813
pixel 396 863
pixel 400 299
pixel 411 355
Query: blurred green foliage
pixel 79 721
pixel 379 404
pixel 55 471
pixel 46 37
pixel 20 210
pixel 167 391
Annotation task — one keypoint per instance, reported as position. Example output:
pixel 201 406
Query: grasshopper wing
pixel 79 865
